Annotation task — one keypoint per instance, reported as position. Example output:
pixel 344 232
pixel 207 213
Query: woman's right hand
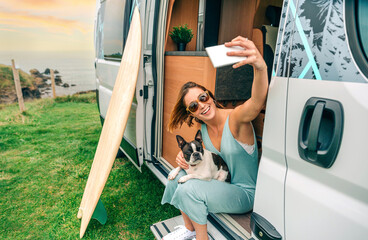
pixel 250 51
pixel 181 161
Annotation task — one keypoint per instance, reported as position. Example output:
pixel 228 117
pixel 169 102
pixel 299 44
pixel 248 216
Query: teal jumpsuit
pixel 197 198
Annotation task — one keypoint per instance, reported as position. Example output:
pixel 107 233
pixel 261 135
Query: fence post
pixel 53 83
pixel 18 88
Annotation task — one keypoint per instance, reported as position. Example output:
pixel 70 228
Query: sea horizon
pixel 74 67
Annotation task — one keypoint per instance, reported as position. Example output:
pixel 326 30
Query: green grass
pixel 45 157
pixel 6 77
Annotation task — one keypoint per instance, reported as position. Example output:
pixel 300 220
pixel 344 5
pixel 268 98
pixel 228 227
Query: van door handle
pixel 315 124
pixel 320 131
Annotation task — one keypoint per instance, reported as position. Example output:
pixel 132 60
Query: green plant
pixel 181 34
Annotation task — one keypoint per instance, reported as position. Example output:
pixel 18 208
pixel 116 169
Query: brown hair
pixel 179 114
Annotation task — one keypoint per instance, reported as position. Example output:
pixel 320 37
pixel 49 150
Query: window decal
pixel 282 52
pixel 312 63
pixel 319 48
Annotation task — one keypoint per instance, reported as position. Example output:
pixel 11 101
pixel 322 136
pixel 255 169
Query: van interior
pixel 215 22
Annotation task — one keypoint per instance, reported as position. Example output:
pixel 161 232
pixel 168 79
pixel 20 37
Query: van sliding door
pixel 327 131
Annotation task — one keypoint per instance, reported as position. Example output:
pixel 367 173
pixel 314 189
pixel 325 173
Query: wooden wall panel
pixel 184 12
pixel 168 19
pixel 258 39
pixel 236 19
pixel 179 70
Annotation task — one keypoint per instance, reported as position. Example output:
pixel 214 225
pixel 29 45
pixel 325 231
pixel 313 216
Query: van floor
pixel 160 229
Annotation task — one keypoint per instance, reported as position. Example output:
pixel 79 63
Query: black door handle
pixel 315 124
pixel 320 131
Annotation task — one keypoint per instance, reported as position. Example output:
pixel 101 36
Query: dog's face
pixel 193 151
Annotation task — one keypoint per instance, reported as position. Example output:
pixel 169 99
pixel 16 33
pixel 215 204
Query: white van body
pixel 313 173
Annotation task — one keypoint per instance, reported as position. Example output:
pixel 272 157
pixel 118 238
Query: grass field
pixel 45 157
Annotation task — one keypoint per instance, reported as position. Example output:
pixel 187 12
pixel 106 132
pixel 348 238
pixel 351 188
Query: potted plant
pixel 181 35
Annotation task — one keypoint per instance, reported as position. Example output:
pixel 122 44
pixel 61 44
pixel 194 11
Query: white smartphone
pixel 218 56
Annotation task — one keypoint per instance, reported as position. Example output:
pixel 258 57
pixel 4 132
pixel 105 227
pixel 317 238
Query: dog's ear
pixel 181 141
pixel 198 136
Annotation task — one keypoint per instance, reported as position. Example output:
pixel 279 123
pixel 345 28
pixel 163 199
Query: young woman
pixel 227 132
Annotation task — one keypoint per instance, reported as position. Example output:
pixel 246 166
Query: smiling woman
pixel 226 132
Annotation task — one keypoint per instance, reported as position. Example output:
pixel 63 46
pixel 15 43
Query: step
pixel 162 228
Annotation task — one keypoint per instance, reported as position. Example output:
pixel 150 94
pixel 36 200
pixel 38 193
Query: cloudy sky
pixel 47 25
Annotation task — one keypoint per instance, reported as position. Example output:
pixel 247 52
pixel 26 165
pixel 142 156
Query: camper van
pixel 312 134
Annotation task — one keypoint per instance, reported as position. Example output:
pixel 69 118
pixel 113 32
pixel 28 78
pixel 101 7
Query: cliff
pixel 33 84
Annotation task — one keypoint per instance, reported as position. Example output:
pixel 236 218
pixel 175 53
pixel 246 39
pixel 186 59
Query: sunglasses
pixel 193 106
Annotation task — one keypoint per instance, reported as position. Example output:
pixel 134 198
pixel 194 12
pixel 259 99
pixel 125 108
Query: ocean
pixel 74 67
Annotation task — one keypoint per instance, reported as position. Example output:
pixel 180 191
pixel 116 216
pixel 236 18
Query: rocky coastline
pixel 35 85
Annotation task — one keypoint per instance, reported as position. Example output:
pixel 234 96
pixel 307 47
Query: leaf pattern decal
pixel 317 22
pixel 283 42
pixel 323 27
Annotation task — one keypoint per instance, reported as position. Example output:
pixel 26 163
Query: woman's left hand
pixel 250 51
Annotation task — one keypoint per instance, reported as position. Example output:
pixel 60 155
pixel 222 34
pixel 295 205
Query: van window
pixel 357 31
pixel 320 49
pixel 99 32
pixel 115 28
pixel 149 24
pixel 363 25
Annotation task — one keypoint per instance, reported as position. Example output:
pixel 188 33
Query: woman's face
pixel 206 110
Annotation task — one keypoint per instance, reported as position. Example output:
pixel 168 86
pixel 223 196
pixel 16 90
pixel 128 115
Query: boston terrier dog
pixel 203 164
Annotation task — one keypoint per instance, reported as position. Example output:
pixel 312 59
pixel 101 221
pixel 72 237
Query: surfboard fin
pixel 100 213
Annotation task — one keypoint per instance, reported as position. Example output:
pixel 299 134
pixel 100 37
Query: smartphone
pixel 218 56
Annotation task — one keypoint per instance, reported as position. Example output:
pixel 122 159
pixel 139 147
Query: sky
pixel 47 25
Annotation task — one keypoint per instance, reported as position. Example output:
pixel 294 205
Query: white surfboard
pixel 115 122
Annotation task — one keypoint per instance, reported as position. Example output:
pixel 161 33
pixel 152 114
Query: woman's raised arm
pixel 250 109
